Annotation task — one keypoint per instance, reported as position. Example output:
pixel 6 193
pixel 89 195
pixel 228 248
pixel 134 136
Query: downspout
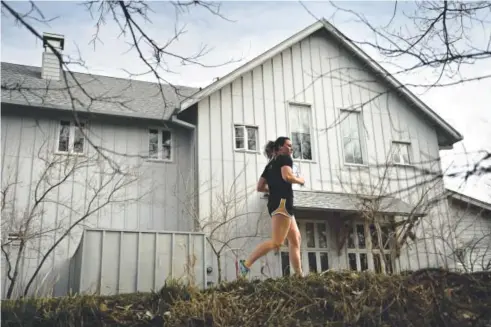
pixel 192 127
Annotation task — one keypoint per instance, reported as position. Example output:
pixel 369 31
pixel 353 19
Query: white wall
pixel 27 141
pixel 472 229
pixel 319 73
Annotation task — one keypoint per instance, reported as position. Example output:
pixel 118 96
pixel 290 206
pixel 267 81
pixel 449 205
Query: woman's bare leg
pixel 281 226
pixel 294 241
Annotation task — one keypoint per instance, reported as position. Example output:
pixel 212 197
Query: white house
pixel 367 147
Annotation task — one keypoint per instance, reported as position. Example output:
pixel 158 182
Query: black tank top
pixel 278 187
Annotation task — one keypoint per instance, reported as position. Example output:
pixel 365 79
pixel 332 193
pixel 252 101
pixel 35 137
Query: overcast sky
pixel 256 27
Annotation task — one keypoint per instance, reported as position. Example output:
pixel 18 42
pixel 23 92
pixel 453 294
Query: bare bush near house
pixel 229 225
pixel 159 57
pixel 377 189
pixel 31 228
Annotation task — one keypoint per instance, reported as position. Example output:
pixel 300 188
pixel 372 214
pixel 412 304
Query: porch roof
pixel 345 202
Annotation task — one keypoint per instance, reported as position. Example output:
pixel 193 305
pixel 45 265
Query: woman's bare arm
pixel 288 176
pixel 262 185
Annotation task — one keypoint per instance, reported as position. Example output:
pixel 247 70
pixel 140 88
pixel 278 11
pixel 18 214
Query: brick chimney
pixel 51 68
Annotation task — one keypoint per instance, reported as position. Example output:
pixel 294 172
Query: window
pixel 351 136
pixel 400 153
pixel 70 138
pixel 246 138
pixel 15 239
pixel 364 251
pixel 300 121
pixel 314 247
pixel 160 144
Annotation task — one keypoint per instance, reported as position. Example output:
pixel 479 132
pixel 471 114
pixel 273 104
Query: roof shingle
pixel 23 84
pixel 348 202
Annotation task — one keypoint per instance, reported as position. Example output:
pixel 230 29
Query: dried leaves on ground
pixel 430 297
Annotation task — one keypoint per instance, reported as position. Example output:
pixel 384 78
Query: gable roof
pixel 468 199
pixel 450 135
pixel 23 85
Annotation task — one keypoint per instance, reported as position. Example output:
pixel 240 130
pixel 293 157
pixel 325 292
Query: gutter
pixel 191 127
pixel 182 123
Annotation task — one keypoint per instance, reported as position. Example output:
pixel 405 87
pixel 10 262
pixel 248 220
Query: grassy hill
pixel 424 298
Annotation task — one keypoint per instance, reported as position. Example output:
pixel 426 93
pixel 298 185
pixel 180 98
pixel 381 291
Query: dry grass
pixel 423 298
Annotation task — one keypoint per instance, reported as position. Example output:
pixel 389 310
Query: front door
pixel 314 248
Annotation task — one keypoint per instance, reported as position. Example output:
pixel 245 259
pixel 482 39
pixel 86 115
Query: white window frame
pixel 246 138
pixel 395 148
pixel 369 251
pixel 159 144
pixel 291 106
pixel 343 115
pixel 71 137
pixel 305 250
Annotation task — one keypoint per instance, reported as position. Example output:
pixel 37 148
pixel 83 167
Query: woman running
pixel 277 179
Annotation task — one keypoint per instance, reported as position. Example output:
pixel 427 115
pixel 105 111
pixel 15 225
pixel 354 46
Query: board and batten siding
pixel 158 195
pixel 318 73
pixel 472 229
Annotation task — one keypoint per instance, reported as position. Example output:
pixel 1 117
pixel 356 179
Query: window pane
pixel 350 130
pixel 354 126
pixel 360 231
pixel 373 236
pixel 405 157
pixel 297 145
pixel 166 145
pixel 239 143
pixel 166 138
pixel 239 131
pixel 79 140
pixel 252 138
pixel 322 235
pixel 309 230
pixel 301 146
pixel 385 237
pixel 377 264
pixel 357 157
pixel 294 119
pixel 363 261
pixel 64 137
pixel 349 150
pixel 304 119
pixel 401 153
pixel 239 137
pixel 388 264
pixel 395 158
pixel 300 118
pixel 285 264
pixel 352 261
pixel 306 148
pixel 166 152
pixel 345 126
pixel 405 153
pixel 351 239
pixel 312 262
pixel 153 144
pixel 324 261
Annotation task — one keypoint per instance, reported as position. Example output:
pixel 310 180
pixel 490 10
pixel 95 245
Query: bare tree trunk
pixel 13 280
pixel 219 269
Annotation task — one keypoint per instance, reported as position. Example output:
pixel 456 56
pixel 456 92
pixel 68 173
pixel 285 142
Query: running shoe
pixel 243 270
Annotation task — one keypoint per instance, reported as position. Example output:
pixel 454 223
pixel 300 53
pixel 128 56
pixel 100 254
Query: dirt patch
pixel 424 298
